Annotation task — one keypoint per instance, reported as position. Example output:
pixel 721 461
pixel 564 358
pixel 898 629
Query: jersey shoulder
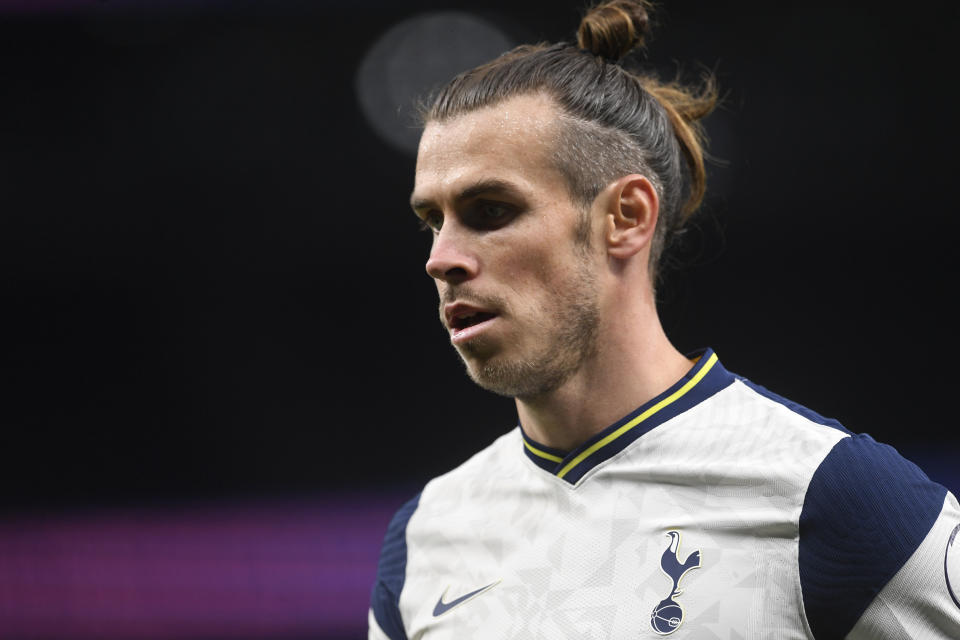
pixel 385 617
pixel 871 528
pixel 477 479
pixel 391 575
pixel 866 511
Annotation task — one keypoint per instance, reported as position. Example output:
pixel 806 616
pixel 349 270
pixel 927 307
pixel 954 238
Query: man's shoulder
pixel 791 413
pixel 852 471
pixel 868 515
pixel 870 521
pixel 493 461
pixel 766 433
pixel 732 406
pixel 497 454
pixel 478 476
pixel 850 461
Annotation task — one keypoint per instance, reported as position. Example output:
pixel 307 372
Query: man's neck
pixel 625 373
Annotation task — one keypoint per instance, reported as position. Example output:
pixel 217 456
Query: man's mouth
pixel 461 322
pixel 464 320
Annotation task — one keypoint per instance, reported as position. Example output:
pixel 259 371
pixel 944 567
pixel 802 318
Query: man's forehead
pixel 511 140
pixel 534 114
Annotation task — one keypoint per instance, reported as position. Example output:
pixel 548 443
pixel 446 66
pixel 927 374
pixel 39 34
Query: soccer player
pixel 644 492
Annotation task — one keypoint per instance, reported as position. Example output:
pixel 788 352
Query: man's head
pixel 614 122
pixel 513 264
pixel 539 173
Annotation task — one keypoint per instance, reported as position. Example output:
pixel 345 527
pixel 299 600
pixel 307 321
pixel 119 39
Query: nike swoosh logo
pixel 442 607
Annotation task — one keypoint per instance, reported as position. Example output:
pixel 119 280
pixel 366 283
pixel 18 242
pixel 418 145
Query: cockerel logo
pixel 668 615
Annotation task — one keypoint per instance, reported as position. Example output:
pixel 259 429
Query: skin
pixel 505 241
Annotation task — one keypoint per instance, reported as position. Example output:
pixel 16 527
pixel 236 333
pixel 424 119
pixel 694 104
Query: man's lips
pixel 460 317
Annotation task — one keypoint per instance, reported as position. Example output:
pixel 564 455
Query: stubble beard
pixel 571 331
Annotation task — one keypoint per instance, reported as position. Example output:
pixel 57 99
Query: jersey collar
pixel 706 378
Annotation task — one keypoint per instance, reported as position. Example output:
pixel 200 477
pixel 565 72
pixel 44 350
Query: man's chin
pixel 515 378
pixel 489 369
pixel 493 380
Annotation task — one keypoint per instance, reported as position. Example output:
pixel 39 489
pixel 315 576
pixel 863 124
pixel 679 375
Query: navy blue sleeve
pixel 391 573
pixel 866 511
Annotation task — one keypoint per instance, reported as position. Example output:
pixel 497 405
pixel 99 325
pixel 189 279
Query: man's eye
pixel 491 215
pixel 493 212
pixel 431 221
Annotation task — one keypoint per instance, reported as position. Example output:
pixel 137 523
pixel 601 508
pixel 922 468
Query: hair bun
pixel 612 29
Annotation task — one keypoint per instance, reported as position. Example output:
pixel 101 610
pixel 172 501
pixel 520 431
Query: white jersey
pixel 716 510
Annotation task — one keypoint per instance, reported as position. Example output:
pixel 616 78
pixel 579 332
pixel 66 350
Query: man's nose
pixel 450 258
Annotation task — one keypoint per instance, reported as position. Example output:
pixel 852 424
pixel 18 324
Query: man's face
pixel 511 253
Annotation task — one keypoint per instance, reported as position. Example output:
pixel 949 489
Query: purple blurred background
pixel 299 569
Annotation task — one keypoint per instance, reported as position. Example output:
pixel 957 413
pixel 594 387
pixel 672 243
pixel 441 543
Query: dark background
pixel 213 288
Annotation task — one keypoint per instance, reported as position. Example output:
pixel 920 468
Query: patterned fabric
pixel 716 510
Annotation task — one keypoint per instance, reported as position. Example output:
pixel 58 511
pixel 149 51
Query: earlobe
pixel 632 208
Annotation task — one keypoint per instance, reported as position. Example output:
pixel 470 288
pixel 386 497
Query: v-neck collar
pixel 705 378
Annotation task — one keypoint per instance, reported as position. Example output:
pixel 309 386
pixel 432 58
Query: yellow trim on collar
pixel 542 454
pixel 679 393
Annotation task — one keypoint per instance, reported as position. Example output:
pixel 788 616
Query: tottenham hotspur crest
pixel 668 615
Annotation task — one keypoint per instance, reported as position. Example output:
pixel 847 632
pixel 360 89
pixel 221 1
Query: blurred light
pixel 415 57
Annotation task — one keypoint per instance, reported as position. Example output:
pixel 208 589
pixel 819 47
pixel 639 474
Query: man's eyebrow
pixel 491 186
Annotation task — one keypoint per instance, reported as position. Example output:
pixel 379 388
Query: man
pixel 644 493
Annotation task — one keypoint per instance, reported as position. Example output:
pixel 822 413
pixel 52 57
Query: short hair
pixel 615 121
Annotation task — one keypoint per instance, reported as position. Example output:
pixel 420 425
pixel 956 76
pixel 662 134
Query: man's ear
pixel 631 210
